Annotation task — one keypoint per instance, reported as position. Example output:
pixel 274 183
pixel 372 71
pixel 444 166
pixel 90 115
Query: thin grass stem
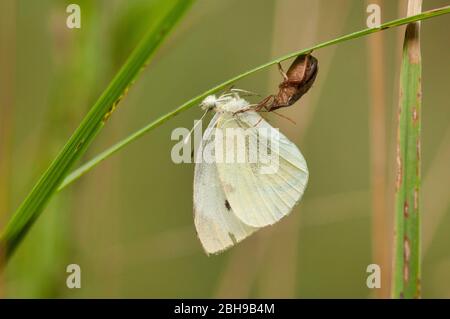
pixel 73 176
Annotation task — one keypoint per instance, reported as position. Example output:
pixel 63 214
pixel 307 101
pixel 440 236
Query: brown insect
pixel 297 81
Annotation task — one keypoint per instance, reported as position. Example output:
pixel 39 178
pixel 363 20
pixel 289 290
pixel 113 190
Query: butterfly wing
pixel 217 226
pixel 259 198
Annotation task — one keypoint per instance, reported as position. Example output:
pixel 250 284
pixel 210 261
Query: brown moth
pixel 297 81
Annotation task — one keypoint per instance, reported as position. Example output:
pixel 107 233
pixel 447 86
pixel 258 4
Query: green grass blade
pixel 32 206
pixel 406 277
pixel 195 101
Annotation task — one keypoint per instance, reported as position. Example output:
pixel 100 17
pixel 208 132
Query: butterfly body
pixel 230 103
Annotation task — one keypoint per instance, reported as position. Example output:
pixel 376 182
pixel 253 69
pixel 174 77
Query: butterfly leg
pixel 228 92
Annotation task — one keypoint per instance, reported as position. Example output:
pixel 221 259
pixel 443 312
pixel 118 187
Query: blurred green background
pixel 129 223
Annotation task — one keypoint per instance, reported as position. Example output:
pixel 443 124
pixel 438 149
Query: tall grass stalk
pixel 406 277
pixel 377 119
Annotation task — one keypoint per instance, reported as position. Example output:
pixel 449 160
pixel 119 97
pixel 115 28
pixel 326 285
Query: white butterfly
pixel 234 199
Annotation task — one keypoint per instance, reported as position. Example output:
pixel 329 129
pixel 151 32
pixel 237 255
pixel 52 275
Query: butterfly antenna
pixel 186 140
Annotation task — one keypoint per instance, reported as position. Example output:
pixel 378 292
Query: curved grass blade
pixel 32 206
pixel 196 100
